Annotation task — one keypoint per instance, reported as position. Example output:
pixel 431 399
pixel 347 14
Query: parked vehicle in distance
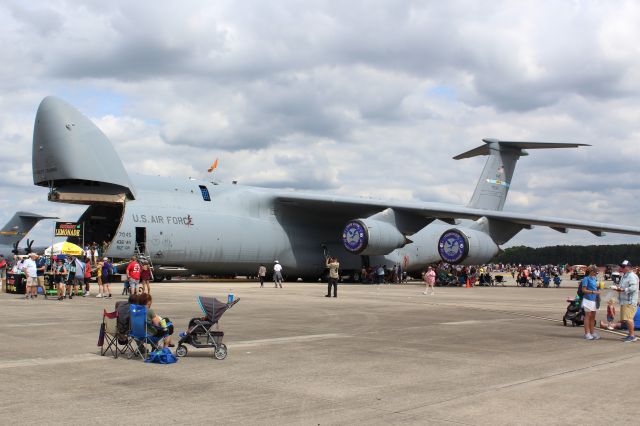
pixel 578 272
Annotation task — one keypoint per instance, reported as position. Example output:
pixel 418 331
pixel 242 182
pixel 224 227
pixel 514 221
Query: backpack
pixel 580 290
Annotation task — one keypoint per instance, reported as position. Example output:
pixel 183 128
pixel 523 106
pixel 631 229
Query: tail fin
pixel 493 186
pixel 19 226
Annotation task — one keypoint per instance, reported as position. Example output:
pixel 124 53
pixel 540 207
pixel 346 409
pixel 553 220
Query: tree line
pixel 573 255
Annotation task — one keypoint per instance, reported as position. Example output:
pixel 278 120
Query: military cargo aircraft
pixel 15 230
pixel 202 227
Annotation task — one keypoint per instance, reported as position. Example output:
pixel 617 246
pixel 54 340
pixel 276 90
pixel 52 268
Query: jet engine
pixel 372 237
pixel 468 246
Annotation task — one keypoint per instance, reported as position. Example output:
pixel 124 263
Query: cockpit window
pixel 205 193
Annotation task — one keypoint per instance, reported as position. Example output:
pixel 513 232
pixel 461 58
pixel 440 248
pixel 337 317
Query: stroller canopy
pixel 212 307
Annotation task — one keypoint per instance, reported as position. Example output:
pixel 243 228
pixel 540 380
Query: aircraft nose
pixel 68 147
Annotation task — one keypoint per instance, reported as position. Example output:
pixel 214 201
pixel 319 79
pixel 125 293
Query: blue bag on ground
pixel 163 356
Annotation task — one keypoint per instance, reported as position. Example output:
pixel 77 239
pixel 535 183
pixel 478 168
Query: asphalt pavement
pixel 377 354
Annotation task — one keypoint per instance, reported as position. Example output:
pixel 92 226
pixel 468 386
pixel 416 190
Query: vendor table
pixel 15 283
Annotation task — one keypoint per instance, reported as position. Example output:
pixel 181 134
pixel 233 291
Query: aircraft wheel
pixel 181 351
pixel 221 352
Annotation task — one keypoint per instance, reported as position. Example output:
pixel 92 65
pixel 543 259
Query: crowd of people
pixel 71 276
pixel 381 274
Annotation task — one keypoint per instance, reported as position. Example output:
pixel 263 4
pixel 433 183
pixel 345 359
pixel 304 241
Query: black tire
pixel 564 321
pixel 221 352
pixel 181 351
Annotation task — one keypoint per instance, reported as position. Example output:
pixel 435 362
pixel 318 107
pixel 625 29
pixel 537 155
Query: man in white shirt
pixel 277 273
pixel 31 275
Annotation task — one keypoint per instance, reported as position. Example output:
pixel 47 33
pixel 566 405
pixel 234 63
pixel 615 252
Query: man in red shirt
pixel 133 274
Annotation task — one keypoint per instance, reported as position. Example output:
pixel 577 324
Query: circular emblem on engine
pixel 453 246
pixel 354 237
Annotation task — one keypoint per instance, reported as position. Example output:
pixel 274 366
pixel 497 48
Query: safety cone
pixel 468 283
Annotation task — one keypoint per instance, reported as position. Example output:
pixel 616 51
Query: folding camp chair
pixel 110 329
pixel 138 333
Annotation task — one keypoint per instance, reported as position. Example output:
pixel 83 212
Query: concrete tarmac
pixel 382 354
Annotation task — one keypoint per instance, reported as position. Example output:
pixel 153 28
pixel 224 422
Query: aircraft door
pixel 141 239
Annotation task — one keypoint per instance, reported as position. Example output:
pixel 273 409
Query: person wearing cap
pixel 590 294
pixel 334 266
pixel 628 298
pixel 277 273
pixel 31 273
pixel 430 281
pixel 59 274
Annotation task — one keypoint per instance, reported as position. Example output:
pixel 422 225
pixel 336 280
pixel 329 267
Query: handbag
pixel 163 356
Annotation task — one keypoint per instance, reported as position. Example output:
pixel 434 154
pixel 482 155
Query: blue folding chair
pixel 139 334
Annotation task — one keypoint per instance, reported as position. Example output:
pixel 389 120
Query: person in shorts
pixel 59 275
pixel 628 298
pixel 145 277
pixel 70 266
pixel 590 294
pixel 133 274
pixel 31 275
pixel 430 281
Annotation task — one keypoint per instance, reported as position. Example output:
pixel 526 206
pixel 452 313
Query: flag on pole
pixel 213 166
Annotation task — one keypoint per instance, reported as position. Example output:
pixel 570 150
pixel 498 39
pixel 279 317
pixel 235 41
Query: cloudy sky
pixel 368 98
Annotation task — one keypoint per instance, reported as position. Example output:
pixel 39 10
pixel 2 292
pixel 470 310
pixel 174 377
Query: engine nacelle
pixel 467 246
pixel 371 237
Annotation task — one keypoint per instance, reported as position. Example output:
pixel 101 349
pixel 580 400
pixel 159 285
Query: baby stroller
pixel 200 333
pixel 574 313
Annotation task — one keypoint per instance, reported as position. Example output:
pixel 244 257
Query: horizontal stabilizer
pixel 513 145
pixel 495 180
pixel 19 226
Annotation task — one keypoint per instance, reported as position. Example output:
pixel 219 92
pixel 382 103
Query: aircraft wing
pixel 424 213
